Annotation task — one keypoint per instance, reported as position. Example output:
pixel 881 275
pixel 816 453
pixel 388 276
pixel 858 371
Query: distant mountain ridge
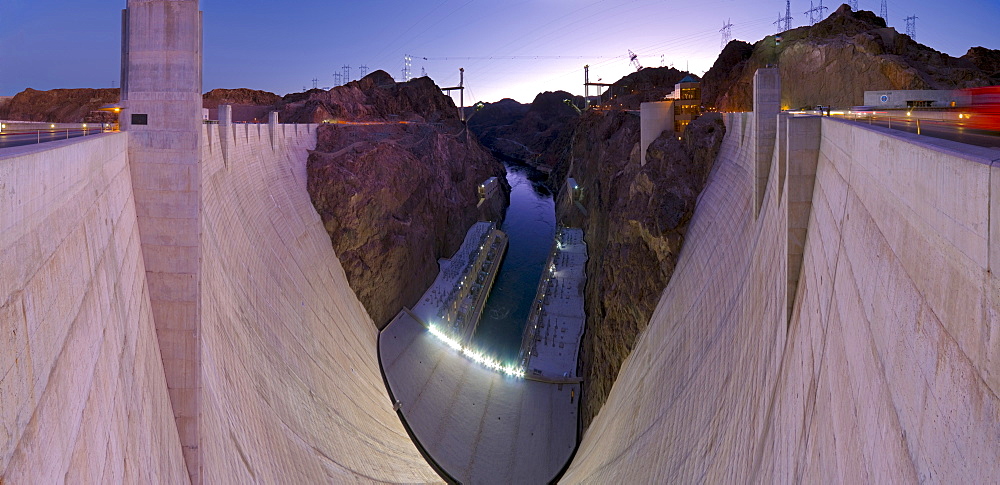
pixel 835 61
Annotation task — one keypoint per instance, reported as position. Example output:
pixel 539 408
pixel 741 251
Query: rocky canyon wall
pixel 61 105
pixel 396 184
pixel 634 219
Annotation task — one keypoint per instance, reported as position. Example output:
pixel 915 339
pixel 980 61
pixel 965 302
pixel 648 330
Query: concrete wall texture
pixel 83 396
pixel 291 388
pixel 886 370
pixel 162 107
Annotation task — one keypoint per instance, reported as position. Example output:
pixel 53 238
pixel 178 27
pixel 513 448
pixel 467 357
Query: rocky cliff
pixel 60 105
pixel 395 181
pixel 634 219
pixel 248 105
pixel 647 84
pixel 835 61
pixel 525 133
pixel 241 96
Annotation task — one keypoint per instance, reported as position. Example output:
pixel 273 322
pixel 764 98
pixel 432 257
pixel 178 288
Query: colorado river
pixel 530 224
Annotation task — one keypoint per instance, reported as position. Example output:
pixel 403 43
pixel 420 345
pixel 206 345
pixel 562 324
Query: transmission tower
pixel 315 83
pixel 883 12
pixel 853 4
pixel 423 72
pixel 634 59
pixel 727 33
pixel 364 70
pixel 347 74
pixel 336 79
pixel 407 65
pixel 780 23
pixel 911 26
pixel 788 15
pixel 815 13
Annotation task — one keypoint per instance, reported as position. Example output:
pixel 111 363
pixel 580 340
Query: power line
pixel 528 57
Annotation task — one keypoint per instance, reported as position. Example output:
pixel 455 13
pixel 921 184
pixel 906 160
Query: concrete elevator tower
pixel 161 98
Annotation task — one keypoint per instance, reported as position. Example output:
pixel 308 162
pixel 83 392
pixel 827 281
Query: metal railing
pixel 19 134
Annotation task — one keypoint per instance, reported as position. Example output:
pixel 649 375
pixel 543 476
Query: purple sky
pixel 512 48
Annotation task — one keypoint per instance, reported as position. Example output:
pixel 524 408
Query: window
pixel 140 119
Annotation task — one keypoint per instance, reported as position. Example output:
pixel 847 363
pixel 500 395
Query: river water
pixel 530 224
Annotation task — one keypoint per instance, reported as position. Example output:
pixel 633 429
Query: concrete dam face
pixel 843 331
pixel 290 384
pixel 882 367
pixel 833 316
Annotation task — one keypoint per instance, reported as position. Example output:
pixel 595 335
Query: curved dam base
pixel 478 425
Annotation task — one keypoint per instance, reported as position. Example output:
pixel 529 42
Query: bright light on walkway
pixel 476 356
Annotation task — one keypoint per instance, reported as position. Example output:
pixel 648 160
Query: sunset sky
pixel 513 48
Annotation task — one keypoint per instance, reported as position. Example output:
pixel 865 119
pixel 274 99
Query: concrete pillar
pixel 272 127
pixel 655 117
pixel 766 106
pixel 801 146
pixel 161 94
pixel 226 131
pixel 994 241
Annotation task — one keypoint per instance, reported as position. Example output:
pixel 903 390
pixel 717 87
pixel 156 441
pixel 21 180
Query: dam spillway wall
pixel 877 362
pixel 83 397
pixel 290 388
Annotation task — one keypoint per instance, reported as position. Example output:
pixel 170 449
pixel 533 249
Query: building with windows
pixel 674 113
pixel 686 97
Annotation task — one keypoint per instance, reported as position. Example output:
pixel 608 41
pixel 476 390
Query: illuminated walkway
pixel 552 339
pixel 479 425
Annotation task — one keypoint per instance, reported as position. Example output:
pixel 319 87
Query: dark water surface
pixel 530 224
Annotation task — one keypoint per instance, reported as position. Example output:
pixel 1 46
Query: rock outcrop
pixel 248 105
pixel 61 105
pixel 525 133
pixel 395 181
pixel 241 96
pixel 647 84
pixel 376 97
pixel 835 61
pixel 634 219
